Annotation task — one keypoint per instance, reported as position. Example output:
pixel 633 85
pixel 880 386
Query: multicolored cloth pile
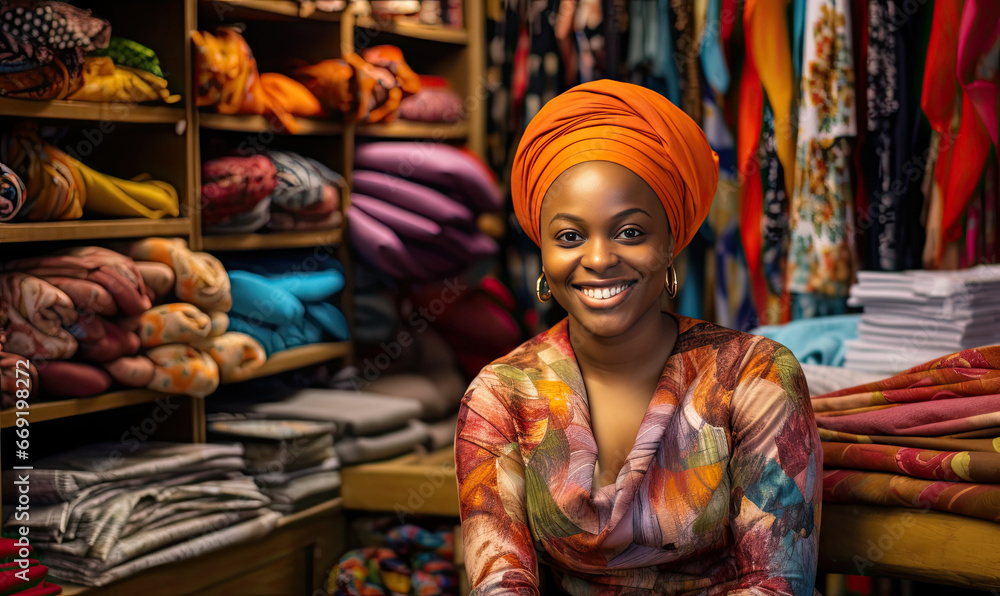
pixel 414 209
pixel 925 438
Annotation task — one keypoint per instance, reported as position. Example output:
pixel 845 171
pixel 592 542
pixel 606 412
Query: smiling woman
pixel 630 449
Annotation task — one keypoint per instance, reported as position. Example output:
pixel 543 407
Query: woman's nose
pixel 600 255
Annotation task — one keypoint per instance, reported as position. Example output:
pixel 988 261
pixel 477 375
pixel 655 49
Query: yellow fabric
pixel 104 81
pixel 107 195
pixel 624 124
pixel 773 55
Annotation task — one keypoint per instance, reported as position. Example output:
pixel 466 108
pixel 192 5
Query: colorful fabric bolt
pixel 131 371
pixel 378 91
pixel 177 323
pixel 929 464
pixel 38 315
pixel 109 342
pixel 42 31
pixel 626 124
pixel 41 82
pixel 12 193
pixel 235 185
pixel 183 370
pixel 720 492
pixel 963 498
pixel 432 104
pixel 237 354
pixel 103 80
pixel 307 192
pixel 126 52
pixel 159 278
pixel 330 82
pixel 200 278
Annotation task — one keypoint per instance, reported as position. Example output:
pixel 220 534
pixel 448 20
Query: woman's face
pixel 606 246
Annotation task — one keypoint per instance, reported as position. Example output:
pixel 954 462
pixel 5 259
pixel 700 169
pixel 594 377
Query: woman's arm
pixel 499 554
pixel 776 470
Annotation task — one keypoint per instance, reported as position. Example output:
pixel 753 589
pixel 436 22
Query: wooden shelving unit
pixel 86 110
pixel 85 229
pixel 275 240
pixel 254 123
pixel 387 486
pixel 404 129
pixel 266 10
pixel 438 33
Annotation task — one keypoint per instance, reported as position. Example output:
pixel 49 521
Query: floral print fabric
pixel 720 493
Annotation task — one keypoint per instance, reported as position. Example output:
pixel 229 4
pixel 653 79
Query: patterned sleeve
pixel 499 554
pixel 776 470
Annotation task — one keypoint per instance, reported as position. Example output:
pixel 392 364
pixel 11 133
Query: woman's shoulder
pixel 535 352
pixel 736 347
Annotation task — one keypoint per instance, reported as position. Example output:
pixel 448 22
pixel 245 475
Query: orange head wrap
pixel 628 125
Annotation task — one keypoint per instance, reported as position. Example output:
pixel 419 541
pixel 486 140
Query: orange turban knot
pixel 624 124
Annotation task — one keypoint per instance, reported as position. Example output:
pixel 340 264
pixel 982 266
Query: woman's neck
pixel 647 345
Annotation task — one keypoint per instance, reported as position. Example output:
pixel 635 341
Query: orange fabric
pixel 624 124
pixel 330 81
pixel 391 59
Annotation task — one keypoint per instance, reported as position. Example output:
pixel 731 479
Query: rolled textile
pixel 138 197
pixel 312 286
pixel 329 318
pixel 987 445
pixel 953 466
pixel 183 370
pixel 38 314
pixel 87 296
pixel 103 80
pixel 258 300
pixel 412 196
pixel 131 371
pixel 381 247
pixel 928 419
pixel 433 105
pixel 126 52
pixel 220 323
pixel 14 377
pixel 37 81
pixel 406 224
pixel 964 498
pixel 179 322
pixel 330 81
pixel 12 193
pixel 200 278
pixel 159 278
pixel 114 342
pixel 60 378
pixel 56 31
pixel 117 273
pixel 391 58
pixel 232 186
pixel 244 223
pixel 237 354
pixel 377 90
pixel 54 186
pixel 438 165
pixel 303 183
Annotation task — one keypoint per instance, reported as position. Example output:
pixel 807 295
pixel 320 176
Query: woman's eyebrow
pixel 568 217
pixel 631 211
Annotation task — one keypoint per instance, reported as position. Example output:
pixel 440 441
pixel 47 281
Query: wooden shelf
pixel 301 356
pixel 87 110
pixel 53 410
pixel 266 10
pixel 405 129
pixel 390 485
pixel 253 123
pixel 414 30
pixel 276 240
pixel 331 506
pixel 280 362
pixel 85 229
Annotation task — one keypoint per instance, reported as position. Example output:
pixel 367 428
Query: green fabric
pixel 125 52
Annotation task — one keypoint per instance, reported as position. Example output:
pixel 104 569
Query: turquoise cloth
pixel 815 341
pixel 713 61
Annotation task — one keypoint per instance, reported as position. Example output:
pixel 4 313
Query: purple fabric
pixel 413 197
pixel 432 104
pixel 381 247
pixel 434 164
pixel 405 223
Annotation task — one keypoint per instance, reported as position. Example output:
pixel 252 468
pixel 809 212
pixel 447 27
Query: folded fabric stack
pixel 916 316
pixel 925 438
pixel 369 426
pixel 58 187
pixel 99 515
pixel 435 102
pixel 281 306
pixel 52 50
pixel 406 559
pixel 279 190
pixel 18 579
pixel 292 461
pixel 414 207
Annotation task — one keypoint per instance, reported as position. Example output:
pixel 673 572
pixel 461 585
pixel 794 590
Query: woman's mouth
pixel 604 296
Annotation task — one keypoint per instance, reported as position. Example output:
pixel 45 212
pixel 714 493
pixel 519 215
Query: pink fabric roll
pixel 38 313
pixel 114 343
pixel 132 371
pixel 87 296
pixel 72 379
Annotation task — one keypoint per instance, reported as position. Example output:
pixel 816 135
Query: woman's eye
pixel 630 233
pixel 570 237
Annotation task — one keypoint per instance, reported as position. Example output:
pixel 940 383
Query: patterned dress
pixel 719 495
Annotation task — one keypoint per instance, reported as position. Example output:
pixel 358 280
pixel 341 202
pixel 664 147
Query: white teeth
pixel 605 293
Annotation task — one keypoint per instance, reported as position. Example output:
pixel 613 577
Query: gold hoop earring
pixel 671 282
pixel 542 289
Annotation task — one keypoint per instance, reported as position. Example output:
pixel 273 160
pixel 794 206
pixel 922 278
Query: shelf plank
pixel 262 124
pixel 331 506
pixel 916 544
pixel 437 33
pixel 266 10
pixel 301 356
pixel 89 110
pixel 45 231
pixel 405 129
pixel 413 484
pixel 53 410
pixel 276 240
pixel 280 362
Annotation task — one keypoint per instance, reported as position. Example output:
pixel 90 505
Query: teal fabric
pixel 713 61
pixel 311 287
pixel 258 299
pixel 815 341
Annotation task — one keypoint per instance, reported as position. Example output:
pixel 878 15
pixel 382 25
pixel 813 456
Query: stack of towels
pixel 414 208
pixel 283 302
pixel 292 461
pixel 278 190
pixel 101 513
pixel 89 318
pixel 925 438
pixel 916 316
